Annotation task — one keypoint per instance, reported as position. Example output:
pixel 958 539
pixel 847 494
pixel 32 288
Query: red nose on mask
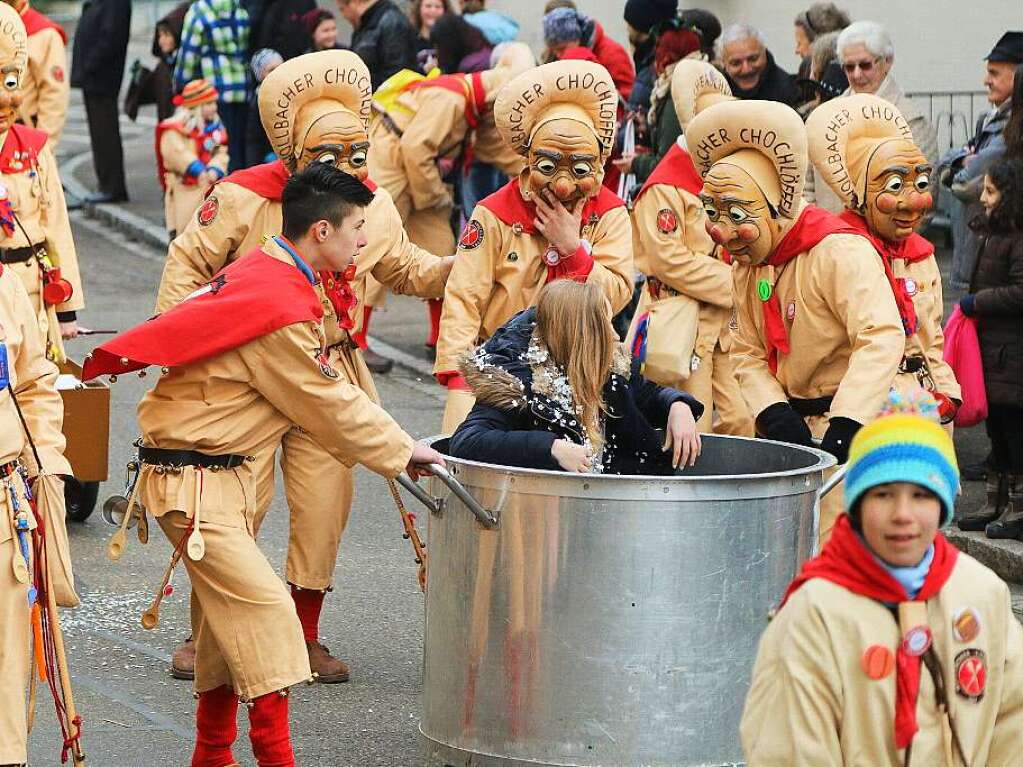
pixel 563 188
pixel 920 201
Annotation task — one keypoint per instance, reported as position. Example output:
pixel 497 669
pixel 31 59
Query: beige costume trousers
pixel 15 639
pixel 714 384
pixel 247 633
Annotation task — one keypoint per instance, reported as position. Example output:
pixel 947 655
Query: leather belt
pixel 17 255
pixel 391 125
pixel 808 407
pixel 158 456
pixel 913 364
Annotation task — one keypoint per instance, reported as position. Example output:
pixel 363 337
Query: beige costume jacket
pixel 811 703
pixel 45 89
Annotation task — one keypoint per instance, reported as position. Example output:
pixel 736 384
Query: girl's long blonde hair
pixel 574 322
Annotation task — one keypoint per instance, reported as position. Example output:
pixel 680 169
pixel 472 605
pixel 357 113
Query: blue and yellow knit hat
pixel 905 444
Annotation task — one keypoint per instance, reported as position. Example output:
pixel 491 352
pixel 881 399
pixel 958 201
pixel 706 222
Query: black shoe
pixel 377 363
pixel 103 198
pixel 1006 529
pixel 973 472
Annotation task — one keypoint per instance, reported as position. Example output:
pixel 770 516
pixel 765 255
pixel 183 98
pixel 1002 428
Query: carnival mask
pixel 564 159
pixel 10 96
pixel 337 138
pixel 898 190
pixel 739 216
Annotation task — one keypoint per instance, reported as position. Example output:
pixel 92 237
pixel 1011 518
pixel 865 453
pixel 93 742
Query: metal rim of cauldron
pixel 643 487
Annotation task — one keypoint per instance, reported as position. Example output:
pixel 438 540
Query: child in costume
pixel 891 647
pixel 191 151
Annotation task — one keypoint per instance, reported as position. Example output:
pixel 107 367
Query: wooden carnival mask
pixel 562 118
pixel 863 148
pixel 315 108
pixel 13 59
pixel 752 157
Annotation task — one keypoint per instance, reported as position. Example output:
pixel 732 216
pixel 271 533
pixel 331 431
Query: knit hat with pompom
pixel 905 444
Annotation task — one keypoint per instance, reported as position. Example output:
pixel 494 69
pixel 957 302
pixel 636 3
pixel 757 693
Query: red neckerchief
pixel 268 180
pixel 36 22
pixel 914 248
pixel 338 288
pixel 248 299
pixel 676 168
pixel 509 207
pixel 846 562
pixel 812 226
pixel 197 137
pixel 21 149
pixel 475 96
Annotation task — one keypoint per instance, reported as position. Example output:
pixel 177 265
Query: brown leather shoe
pixel 183 660
pixel 326 668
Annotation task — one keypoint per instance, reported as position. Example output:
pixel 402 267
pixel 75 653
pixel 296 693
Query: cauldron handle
pixel 484 517
pixel 418 493
pixel 833 481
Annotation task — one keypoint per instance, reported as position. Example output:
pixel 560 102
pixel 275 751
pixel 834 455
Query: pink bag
pixel 962 353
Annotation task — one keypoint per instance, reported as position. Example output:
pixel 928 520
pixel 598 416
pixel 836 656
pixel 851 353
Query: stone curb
pixel 1004 557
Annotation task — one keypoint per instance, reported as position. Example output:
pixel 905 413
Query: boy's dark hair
pixel 1007 176
pixel 320 192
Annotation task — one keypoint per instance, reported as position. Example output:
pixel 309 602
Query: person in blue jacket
pixel 556 390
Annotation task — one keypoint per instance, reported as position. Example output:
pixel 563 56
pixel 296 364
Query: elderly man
pixel 867 53
pixel 750 67
pixel 967 165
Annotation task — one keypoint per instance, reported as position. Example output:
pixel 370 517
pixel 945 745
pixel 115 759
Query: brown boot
pixel 183 660
pixel 997 496
pixel 326 668
pixel 1010 524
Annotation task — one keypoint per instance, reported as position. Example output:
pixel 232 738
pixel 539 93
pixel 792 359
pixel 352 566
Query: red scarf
pixel 20 152
pixel 846 562
pixel 509 207
pixel 248 299
pixel 36 22
pixel 914 248
pixel 812 226
pixel 676 168
pixel 338 288
pixel 475 96
pixel 268 180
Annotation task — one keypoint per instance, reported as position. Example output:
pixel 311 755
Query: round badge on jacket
pixel 208 210
pixel 472 235
pixel 667 221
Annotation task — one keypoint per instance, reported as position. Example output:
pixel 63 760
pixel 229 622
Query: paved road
pixel 135 714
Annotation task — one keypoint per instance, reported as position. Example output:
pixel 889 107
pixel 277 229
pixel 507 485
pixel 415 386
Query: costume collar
pixel 285 244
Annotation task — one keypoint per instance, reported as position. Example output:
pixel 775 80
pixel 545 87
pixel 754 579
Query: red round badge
pixel 877 661
pixel 667 222
pixel 472 235
pixel 208 210
pixel 971 674
pixel 57 73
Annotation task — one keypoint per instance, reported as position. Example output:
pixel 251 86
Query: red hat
pixel 674 45
pixel 312 19
pixel 195 93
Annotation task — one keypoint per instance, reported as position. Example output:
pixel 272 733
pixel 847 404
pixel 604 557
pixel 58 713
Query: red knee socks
pixel 269 731
pixel 216 727
pixel 436 307
pixel 308 603
pixel 360 337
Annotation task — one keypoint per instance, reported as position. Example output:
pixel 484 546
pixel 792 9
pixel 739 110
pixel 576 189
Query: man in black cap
pixel 642 17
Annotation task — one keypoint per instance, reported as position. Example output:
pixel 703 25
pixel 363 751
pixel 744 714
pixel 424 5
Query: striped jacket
pixel 214 46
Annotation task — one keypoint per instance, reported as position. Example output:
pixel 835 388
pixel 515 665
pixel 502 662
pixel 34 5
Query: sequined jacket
pixel 524 403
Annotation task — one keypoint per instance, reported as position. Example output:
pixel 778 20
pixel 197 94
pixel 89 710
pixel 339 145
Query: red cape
pixel 37 22
pixel 268 180
pixel 812 226
pixel 27 143
pixel 914 248
pixel 846 562
pixel 676 168
pixel 250 298
pixel 509 207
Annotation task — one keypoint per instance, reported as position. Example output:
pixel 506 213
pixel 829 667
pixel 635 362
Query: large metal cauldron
pixel 606 620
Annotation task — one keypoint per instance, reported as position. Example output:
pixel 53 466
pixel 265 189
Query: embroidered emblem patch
pixel 971 674
pixel 325 367
pixel 966 624
pixel 877 661
pixel 472 235
pixel 57 73
pixel 208 210
pixel 666 221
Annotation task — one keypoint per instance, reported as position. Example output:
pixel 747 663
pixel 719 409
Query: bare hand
pixel 571 457
pixel 624 163
pixel 422 456
pixel 682 437
pixel 558 224
pixel 445 165
pixel 69 329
